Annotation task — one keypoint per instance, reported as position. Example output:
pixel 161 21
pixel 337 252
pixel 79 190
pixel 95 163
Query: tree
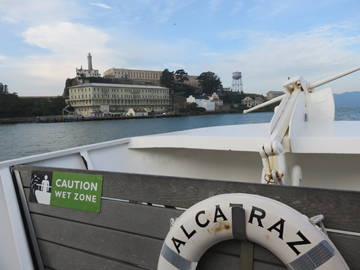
pixel 181 76
pixel 167 78
pixel 3 89
pixel 209 82
pixel 189 90
pixel 191 106
pixel 8 106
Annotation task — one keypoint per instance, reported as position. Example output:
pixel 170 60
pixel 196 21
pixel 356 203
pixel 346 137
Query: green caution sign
pixel 70 190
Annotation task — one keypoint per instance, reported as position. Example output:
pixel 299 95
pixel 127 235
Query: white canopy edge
pixel 339 137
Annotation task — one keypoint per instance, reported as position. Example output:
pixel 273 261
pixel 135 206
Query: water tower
pixel 237 85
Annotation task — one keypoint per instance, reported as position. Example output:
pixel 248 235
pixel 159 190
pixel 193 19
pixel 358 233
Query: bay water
pixel 19 140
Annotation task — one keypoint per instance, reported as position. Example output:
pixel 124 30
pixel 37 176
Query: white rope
pixel 318 219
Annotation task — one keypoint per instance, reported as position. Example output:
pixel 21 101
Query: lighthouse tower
pixel 89 63
pixel 90 72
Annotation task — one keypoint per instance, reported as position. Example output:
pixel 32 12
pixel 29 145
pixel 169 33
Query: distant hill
pixel 347 99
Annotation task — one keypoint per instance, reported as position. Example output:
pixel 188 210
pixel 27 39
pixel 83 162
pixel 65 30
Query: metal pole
pixel 329 79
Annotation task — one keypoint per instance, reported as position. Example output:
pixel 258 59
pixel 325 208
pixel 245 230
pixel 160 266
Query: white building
pixel 202 101
pixel 90 72
pixel 248 102
pixel 274 94
pixel 137 112
pixel 144 75
pixel 218 102
pixel 258 100
pixel 101 98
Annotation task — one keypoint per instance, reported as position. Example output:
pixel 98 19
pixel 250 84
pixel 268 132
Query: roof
pixel 118 85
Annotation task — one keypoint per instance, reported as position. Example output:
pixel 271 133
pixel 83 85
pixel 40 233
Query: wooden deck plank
pixel 110 244
pixel 122 216
pixel 64 258
pixel 266 266
pixel 233 247
pixel 340 208
pixel 213 261
pixel 129 248
pixel 349 248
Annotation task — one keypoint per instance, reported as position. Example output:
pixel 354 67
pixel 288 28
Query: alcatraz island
pixel 129 93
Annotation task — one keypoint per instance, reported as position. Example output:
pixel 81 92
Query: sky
pixel 42 42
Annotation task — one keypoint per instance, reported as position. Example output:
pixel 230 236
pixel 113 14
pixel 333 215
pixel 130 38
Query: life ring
pixel 269 223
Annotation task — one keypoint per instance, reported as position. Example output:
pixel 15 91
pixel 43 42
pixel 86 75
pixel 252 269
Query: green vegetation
pixel 209 82
pixel 13 106
pixel 233 97
pixel 192 108
pixel 167 78
pixel 181 76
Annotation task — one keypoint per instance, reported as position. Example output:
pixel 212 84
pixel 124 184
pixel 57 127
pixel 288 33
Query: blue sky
pixel 43 41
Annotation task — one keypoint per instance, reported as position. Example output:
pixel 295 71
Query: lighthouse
pixel 90 72
pixel 89 63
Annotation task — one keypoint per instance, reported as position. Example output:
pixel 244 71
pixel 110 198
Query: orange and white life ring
pixel 269 223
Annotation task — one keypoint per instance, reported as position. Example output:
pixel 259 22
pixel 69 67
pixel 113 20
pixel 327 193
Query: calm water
pixel 19 140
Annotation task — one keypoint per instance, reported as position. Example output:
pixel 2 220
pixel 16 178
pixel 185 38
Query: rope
pixel 318 219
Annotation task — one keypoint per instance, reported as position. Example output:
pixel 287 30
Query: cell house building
pixel 98 99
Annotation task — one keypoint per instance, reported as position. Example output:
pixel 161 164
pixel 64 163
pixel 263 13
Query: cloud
pixel 37 11
pixel 268 59
pixel 211 54
pixel 215 5
pixel 66 37
pixel 237 6
pixel 66 46
pixel 173 65
pixel 2 58
pixel 100 5
pixel 157 11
